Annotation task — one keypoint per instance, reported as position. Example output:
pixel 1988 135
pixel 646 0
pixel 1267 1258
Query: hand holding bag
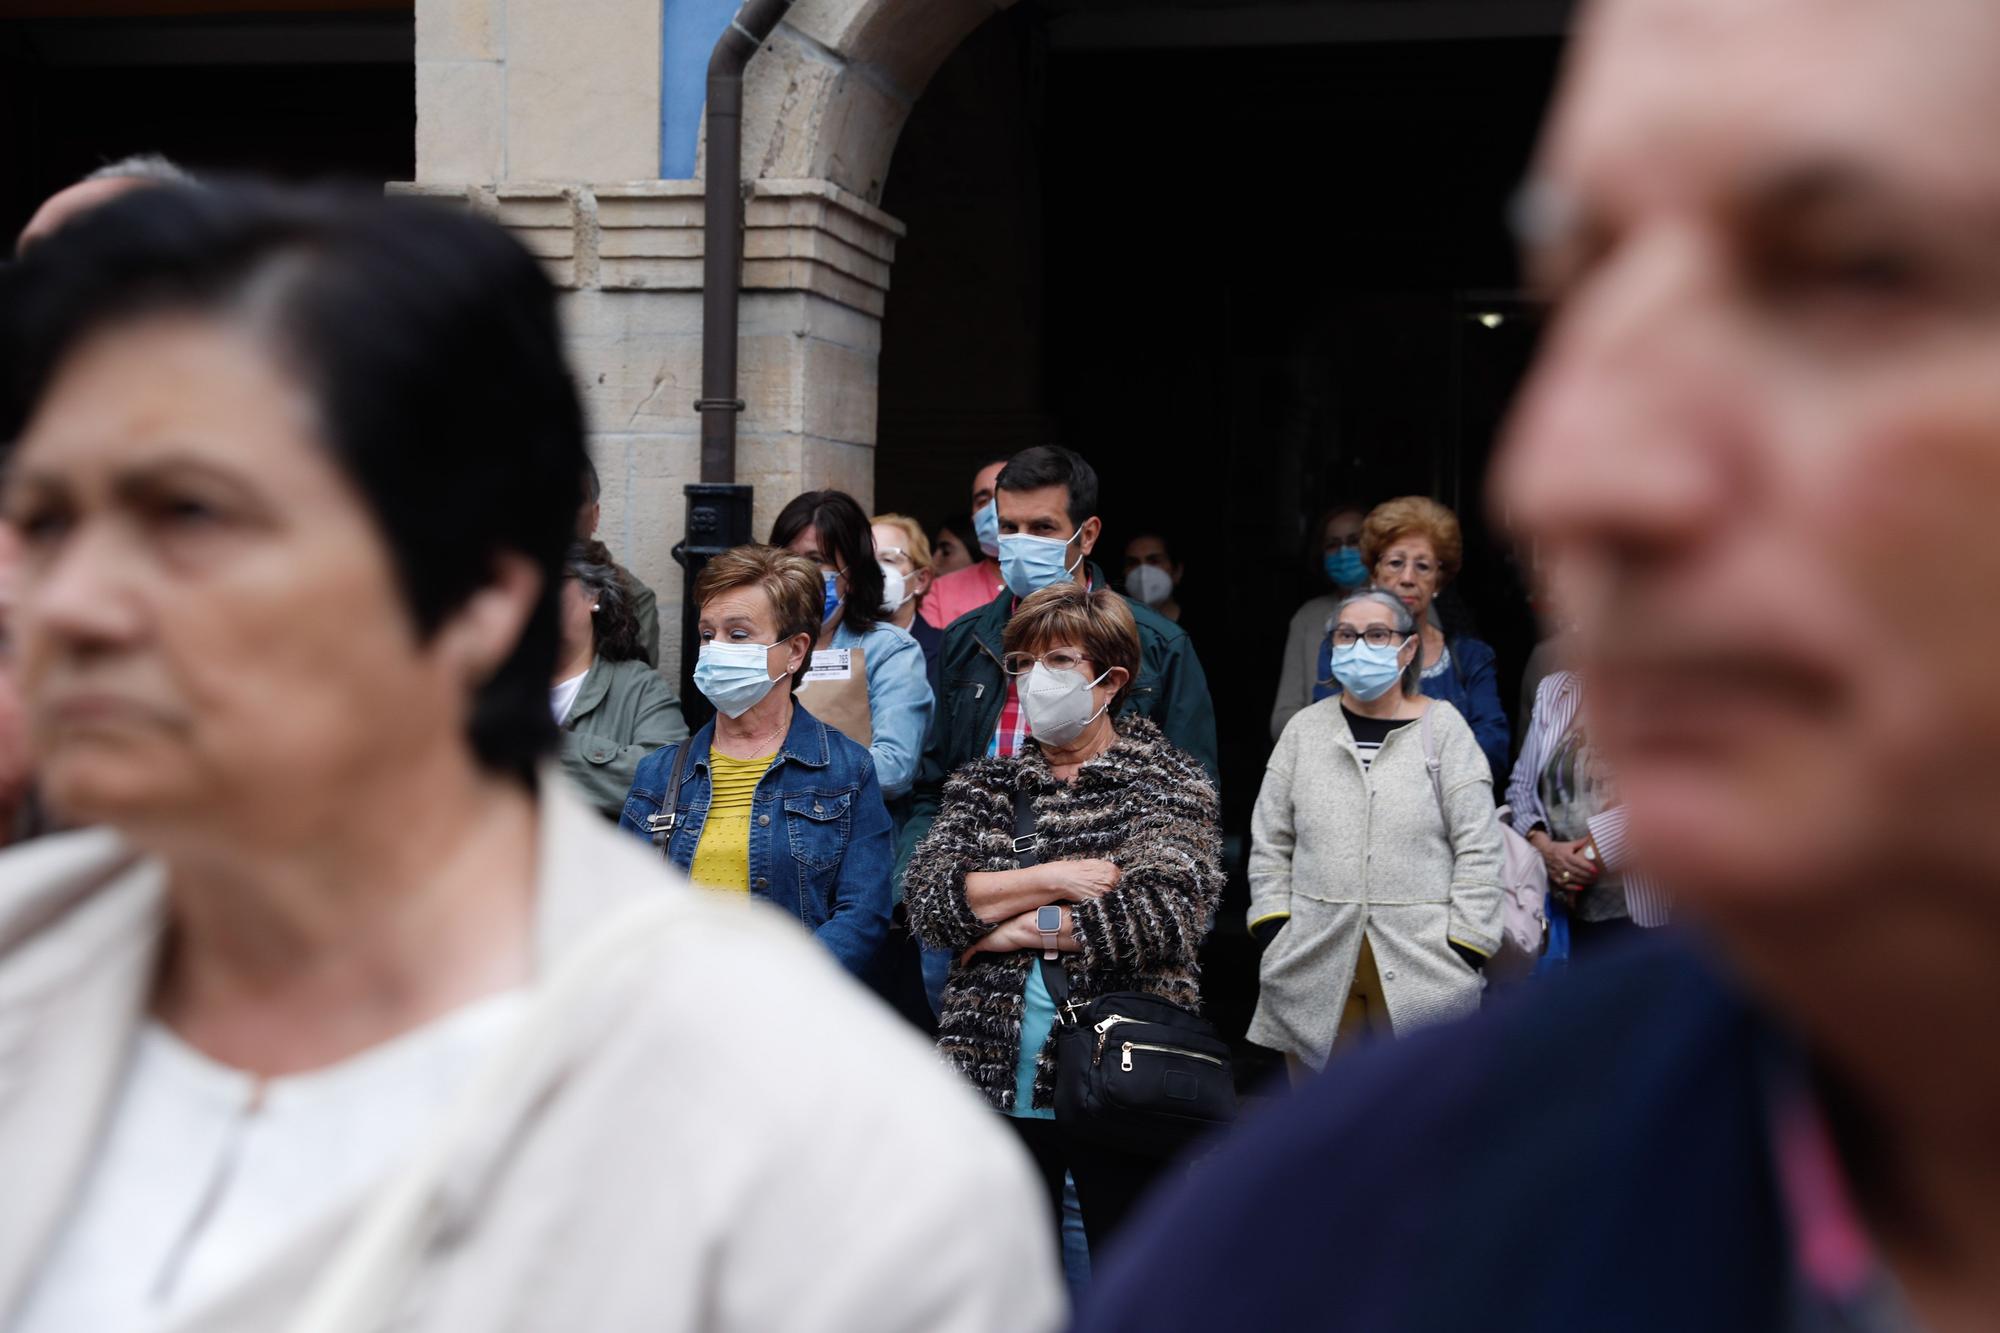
pixel 1133 1071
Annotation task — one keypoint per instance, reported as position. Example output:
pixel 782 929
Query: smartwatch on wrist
pixel 1049 921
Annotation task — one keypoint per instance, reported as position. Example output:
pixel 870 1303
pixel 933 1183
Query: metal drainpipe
pixel 722 233
pixel 718 510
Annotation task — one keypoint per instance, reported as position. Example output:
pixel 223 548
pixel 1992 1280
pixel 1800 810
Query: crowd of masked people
pixel 979 771
pixel 334 948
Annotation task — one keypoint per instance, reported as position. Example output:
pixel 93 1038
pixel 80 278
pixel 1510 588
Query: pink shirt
pixel 967 590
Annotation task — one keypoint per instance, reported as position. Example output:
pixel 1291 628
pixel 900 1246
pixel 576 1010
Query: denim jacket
pixel 899 701
pixel 820 841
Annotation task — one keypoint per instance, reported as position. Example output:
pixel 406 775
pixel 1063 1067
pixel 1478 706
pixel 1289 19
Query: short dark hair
pixel 1160 535
pixel 1053 465
pixel 428 339
pixel 843 531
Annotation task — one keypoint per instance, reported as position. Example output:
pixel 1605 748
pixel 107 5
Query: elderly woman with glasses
pixel 612 708
pixel 1375 853
pixel 1129 875
pixel 1413 547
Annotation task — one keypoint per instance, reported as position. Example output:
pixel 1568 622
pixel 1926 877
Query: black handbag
pixel 1133 1071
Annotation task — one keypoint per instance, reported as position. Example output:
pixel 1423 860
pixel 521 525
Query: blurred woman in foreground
pixel 350 1015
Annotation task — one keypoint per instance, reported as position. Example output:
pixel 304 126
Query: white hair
pixel 143 167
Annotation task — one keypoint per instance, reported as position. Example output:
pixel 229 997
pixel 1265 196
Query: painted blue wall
pixel 688 29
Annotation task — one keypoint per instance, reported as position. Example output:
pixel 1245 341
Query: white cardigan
pixel 1338 853
pixel 701 1124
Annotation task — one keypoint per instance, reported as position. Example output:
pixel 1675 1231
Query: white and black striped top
pixel 1370 732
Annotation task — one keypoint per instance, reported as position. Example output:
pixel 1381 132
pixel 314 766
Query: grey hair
pixel 143 167
pixel 616 627
pixel 1404 622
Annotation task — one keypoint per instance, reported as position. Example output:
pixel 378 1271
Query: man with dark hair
pixel 970 588
pixel 1759 460
pixel 644 605
pixel 1046 499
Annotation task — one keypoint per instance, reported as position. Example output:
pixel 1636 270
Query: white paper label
pixel 831 664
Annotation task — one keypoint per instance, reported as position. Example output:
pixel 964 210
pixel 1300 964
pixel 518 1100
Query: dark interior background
pixel 1244 283
pixel 325 91
pixel 1243 280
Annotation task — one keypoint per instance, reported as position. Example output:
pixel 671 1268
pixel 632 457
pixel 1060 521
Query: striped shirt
pixel 1370 732
pixel 1556 706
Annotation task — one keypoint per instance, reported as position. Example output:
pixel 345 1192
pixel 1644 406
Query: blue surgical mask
pixel 1366 672
pixel 734 677
pixel 1344 567
pixel 986 527
pixel 832 580
pixel 1029 564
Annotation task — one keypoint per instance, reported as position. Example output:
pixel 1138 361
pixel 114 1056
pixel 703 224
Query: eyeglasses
pixel 1375 636
pixel 1056 659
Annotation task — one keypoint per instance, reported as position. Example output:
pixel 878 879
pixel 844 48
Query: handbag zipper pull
pixel 1125 1063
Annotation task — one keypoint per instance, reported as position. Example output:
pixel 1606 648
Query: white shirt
pixel 562 696
pixel 204 1172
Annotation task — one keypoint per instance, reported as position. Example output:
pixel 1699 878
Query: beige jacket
pixel 1338 854
pixel 700 1124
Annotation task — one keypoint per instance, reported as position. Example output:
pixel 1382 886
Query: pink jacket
pixel 966 590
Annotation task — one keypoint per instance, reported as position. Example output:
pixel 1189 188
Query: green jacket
pixel 623 712
pixel 971 688
pixel 645 610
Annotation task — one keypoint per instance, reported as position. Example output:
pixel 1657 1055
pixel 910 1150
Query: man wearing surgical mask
pixel 1047 501
pixel 971 588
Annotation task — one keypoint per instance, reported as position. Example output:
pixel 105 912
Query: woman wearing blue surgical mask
pixel 892 712
pixel 1375 885
pixel 1336 565
pixel 769 800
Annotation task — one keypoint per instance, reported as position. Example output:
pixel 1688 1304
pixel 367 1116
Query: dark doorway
pixel 316 92
pixel 1243 283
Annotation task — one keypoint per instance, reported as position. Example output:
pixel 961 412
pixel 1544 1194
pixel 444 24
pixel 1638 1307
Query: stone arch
pixel 827 96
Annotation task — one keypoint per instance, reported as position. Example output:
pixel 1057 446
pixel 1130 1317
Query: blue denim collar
pixel 805 742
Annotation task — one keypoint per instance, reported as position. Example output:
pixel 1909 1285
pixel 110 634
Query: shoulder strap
pixel 661 826
pixel 1028 851
pixel 1027 842
pixel 1432 762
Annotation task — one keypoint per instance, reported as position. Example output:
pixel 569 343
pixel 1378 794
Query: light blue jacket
pixel 899 702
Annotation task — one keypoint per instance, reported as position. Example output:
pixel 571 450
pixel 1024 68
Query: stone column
pixel 545 115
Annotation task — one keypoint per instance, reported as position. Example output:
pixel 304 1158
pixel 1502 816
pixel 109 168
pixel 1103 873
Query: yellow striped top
pixel 722 857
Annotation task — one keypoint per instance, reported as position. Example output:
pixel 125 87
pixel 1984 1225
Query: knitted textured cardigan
pixel 1143 805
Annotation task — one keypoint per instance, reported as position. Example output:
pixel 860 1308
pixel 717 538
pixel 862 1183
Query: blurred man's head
pixel 13 721
pixel 1761 449
pixel 99 187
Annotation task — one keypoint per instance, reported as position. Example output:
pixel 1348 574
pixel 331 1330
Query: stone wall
pixel 546 114
pixel 628 261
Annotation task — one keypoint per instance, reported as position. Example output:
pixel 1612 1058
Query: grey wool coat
pixel 1338 854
